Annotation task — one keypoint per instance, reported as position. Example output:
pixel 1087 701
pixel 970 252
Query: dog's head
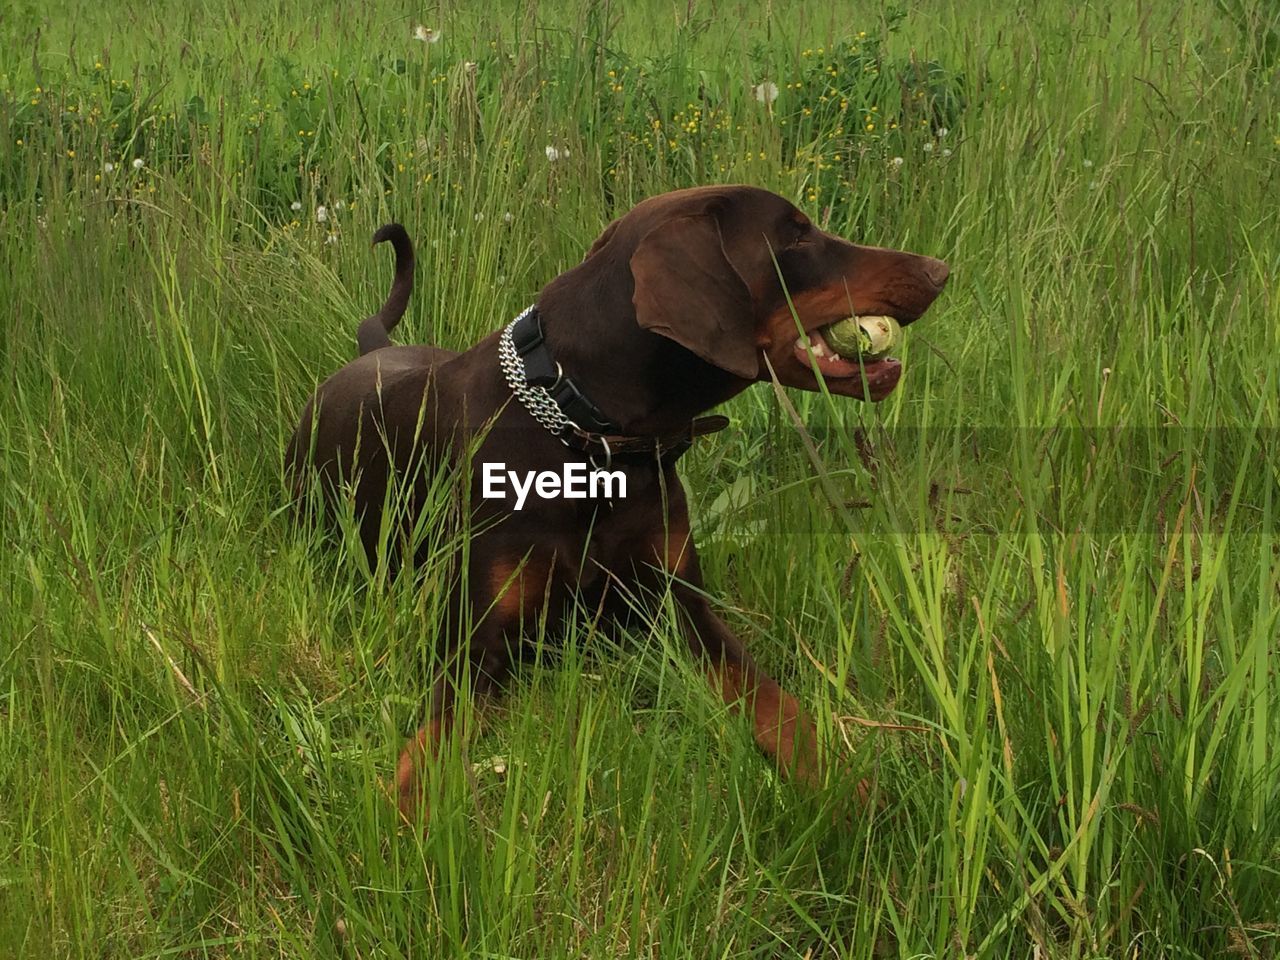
pixel 735 274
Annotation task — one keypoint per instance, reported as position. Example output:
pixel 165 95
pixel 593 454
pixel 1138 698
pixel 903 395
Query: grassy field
pixel 1035 593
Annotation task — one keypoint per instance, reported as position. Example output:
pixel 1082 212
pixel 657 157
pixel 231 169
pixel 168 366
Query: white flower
pixel 507 217
pixel 928 147
pixel 897 162
pixel 331 238
pixel 766 92
pixel 942 132
pixel 480 217
pixel 946 153
pixel 339 205
pixel 426 34
pixel 295 206
pixel 554 153
pixel 138 163
pixel 321 214
pixel 108 167
pixel 1087 164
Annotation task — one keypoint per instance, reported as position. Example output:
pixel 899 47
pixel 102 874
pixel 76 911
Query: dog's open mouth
pixel 880 372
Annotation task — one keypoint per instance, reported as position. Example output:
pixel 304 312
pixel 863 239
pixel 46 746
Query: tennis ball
pixel 870 337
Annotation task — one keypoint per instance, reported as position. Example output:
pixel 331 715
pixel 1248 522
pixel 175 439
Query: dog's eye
pixel 802 234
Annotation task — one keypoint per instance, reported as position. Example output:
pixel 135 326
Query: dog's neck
pixel 645 382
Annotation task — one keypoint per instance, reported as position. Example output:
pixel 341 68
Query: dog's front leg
pixel 780 727
pixel 484 674
pixel 504 596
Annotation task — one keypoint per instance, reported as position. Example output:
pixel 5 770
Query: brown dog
pixel 675 309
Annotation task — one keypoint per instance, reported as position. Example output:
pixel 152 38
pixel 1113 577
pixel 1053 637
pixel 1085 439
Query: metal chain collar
pixel 537 400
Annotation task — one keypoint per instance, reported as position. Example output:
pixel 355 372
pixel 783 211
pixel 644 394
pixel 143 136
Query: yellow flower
pixel 71 154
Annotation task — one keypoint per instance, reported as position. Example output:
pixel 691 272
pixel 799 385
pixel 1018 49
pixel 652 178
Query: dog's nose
pixel 937 271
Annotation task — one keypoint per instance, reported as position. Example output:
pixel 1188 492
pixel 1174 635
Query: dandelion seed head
pixel 426 34
pixel 295 206
pixel 138 163
pixel 322 214
pixel 765 92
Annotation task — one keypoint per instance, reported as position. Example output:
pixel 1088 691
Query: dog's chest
pixel 627 542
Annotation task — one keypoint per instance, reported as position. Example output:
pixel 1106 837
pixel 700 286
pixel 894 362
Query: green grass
pixel 1036 592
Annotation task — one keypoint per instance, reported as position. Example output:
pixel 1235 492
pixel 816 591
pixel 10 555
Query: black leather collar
pixel 541 370
pixel 590 430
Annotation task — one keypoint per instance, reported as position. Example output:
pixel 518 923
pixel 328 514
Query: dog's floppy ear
pixel 687 290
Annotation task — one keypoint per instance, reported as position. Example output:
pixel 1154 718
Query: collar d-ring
pixel 608 455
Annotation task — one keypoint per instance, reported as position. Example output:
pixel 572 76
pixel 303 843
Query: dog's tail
pixel 375 331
